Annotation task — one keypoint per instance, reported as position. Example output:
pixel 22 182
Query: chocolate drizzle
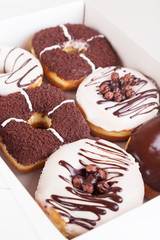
pixel 115 161
pixel 134 106
pixel 4 67
pixel 10 75
pixel 97 79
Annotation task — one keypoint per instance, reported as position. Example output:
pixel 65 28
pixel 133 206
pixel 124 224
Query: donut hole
pixel 75 47
pixel 40 120
pixel 74 50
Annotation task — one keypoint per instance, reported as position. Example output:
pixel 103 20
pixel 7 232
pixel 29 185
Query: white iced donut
pixel 116 100
pixel 18 69
pixel 74 210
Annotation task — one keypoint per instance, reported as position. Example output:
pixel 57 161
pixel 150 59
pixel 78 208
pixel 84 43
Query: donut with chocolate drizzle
pixel 87 183
pixel 19 69
pixel 115 100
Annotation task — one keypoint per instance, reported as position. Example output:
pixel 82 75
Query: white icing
pixel 48 49
pixel 87 97
pixel 65 101
pixel 17 64
pixel 76 44
pixel 88 61
pixel 65 31
pixel 97 36
pixel 11 119
pixel 50 182
pixel 56 134
pixel 21 120
pixel 27 99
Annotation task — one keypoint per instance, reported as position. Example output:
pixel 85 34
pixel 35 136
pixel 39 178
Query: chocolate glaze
pixel 67 65
pixel 100 202
pixel 29 145
pixel 144 145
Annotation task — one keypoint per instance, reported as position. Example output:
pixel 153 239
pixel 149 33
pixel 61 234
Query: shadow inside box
pixel 28 180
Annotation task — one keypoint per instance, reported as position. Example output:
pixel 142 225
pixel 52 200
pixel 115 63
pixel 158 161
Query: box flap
pixel 127 34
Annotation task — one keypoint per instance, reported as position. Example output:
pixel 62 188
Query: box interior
pixel 19 32
pixel 132 54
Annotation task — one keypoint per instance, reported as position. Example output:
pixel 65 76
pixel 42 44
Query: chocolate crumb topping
pixel 68 65
pixel 27 144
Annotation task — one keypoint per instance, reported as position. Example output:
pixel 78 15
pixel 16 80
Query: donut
pixel 115 100
pixel 144 146
pixel 70 52
pixel 18 69
pixel 87 183
pixel 36 122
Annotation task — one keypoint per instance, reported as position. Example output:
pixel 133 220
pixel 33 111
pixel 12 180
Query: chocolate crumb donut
pixel 36 122
pixel 70 52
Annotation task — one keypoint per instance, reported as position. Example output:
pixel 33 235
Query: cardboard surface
pixel 112 18
pixel 18 31
pixel 20 215
pixel 138 19
pixel 14 8
pixel 141 223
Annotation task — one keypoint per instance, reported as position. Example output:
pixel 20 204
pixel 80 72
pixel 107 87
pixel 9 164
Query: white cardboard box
pixel 20 216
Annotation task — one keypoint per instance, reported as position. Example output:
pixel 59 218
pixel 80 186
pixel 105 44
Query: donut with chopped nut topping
pixel 115 100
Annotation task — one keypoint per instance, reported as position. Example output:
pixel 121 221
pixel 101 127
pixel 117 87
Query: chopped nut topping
pixel 78 181
pixel 118 89
pixel 102 186
pixel 88 188
pixel 93 181
pixel 91 168
pixel 108 96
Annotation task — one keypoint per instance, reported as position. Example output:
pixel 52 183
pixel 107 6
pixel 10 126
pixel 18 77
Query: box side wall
pixel 130 53
pixel 18 31
pixel 16 8
pixel 29 216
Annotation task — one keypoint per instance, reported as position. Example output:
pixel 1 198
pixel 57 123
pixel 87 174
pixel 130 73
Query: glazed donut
pixel 18 69
pixel 144 146
pixel 87 183
pixel 36 122
pixel 115 100
pixel 71 52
